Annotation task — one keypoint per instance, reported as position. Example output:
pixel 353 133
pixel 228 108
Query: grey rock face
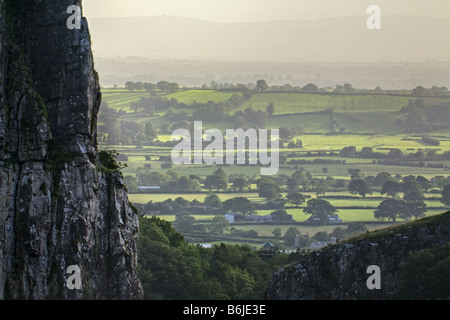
pixel 57 206
pixel 339 272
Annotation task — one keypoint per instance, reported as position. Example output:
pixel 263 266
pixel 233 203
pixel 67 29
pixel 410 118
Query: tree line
pixel 270 187
pixel 411 205
pixel 161 85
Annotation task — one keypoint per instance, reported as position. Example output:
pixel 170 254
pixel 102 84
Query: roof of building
pixel 267 245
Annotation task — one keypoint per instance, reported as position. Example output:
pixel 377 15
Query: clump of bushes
pixel 108 161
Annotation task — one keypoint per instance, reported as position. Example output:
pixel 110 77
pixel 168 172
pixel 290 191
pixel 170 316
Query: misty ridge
pixel 325 51
pixel 332 39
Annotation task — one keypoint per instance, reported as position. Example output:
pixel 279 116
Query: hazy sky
pixel 262 10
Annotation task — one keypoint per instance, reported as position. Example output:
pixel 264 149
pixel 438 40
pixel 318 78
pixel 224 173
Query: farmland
pixel 378 127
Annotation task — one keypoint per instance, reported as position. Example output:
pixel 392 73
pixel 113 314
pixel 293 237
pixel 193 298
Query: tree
pixel 151 178
pixel 184 222
pixel 280 216
pixel 131 86
pixel 218 180
pixel 182 202
pixel 297 143
pixel 212 200
pixel 270 109
pixel 150 132
pixel 440 181
pixel 297 130
pixel 321 236
pixel 166 165
pixel 162 85
pixel 292 184
pixel 149 86
pixel 391 188
pixel 416 209
pixel 195 185
pixel 239 122
pixel 172 269
pixel 302 178
pixel 296 198
pixel 354 228
pixel 285 134
pixel 357 174
pixel 108 160
pixel 423 182
pixel 172 87
pixel 261 85
pixel 348 151
pixel 360 187
pixel 187 184
pixel 348 88
pixel 218 224
pixel 378 90
pixel 411 186
pixel 165 128
pixel 415 201
pixel 321 188
pixel 425 275
pixel 276 232
pixel 381 178
pixel 420 92
pixel 338 233
pixel 446 196
pixel 268 189
pixel 139 86
pixel 290 235
pixel 319 208
pixel 131 183
pixel 310 87
pixel 391 209
pixel 222 173
pixel 414 196
pixel 240 183
pixel 239 204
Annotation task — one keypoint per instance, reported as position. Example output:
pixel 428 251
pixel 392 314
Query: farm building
pixel 233 217
pixel 268 249
pixel 320 244
pixel 331 219
pixel 256 218
pixel 150 188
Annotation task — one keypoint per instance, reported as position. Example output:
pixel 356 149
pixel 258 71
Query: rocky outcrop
pixel 59 204
pixel 340 271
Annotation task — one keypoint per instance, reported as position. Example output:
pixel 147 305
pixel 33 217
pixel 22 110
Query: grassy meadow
pixel 368 120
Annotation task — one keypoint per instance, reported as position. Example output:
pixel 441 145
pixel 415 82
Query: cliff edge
pixel 341 271
pixel 61 203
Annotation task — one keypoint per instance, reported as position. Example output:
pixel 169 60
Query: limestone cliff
pixel 339 272
pixel 59 204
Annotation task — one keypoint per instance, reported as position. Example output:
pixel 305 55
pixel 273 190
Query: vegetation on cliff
pixel 413 259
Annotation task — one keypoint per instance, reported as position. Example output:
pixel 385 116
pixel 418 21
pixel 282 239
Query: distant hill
pixel 332 39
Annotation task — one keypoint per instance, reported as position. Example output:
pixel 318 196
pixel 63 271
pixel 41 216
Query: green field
pixel 144 198
pixel 288 103
pixel 356 120
pixel 201 96
pixel 285 102
pixel 122 99
pixel 357 113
